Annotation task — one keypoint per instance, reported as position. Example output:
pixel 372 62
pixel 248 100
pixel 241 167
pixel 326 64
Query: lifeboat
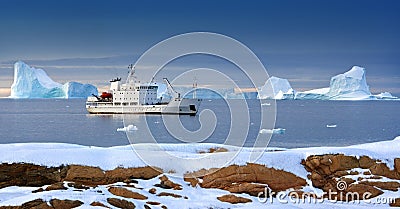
pixel 105 95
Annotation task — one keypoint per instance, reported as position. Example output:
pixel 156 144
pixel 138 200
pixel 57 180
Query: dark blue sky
pixel 305 41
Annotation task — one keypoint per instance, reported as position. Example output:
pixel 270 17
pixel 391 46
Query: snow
pixel 276 88
pixel 30 82
pixel 55 154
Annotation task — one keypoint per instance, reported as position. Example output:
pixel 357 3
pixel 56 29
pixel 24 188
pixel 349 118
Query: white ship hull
pixel 177 106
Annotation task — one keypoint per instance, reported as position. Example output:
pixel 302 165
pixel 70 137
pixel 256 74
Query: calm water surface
pixel 59 120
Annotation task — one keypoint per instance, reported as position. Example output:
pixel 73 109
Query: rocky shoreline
pixel 240 184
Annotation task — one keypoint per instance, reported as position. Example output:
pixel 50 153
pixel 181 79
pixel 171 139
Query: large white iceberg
pixel 351 85
pixel 276 88
pixel 30 82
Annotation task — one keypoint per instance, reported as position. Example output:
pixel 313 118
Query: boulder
pixel 362 190
pixel 56 186
pixel 366 162
pixel 397 164
pixel 121 174
pixel 122 192
pixel 231 176
pixel 26 174
pixel 120 203
pixel 388 185
pixel 169 194
pixel 99 204
pixel 65 204
pixel 396 203
pixel 87 175
pixel 152 190
pixel 233 199
pixel 341 163
pixel 168 184
pixel 381 169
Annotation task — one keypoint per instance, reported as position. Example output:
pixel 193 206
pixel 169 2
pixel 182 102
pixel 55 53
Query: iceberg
pixel 273 131
pixel 386 96
pixel 276 88
pixel 129 128
pixel 351 85
pixel 31 82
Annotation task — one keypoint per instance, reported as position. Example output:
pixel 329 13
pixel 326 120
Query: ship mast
pixel 131 77
pixel 194 87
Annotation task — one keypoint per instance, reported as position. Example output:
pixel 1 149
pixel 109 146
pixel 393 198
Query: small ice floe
pixel 331 126
pixel 265 104
pixel 273 131
pixel 156 122
pixel 128 128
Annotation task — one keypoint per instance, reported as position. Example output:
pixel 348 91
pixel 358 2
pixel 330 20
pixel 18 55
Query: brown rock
pixel 122 192
pixel 218 149
pixel 56 186
pixel 326 160
pixel 120 174
pixel 248 188
pixel 25 174
pixel 341 162
pixel 168 184
pixel 362 190
pixel 347 180
pixel 146 206
pixel 37 203
pixel 388 185
pixel 152 190
pixel 33 204
pixel 277 180
pixel 120 203
pixel 65 204
pixel 233 199
pixel 317 180
pixel 366 162
pixel 340 173
pixel 164 207
pixel 38 190
pixel 396 203
pixel 193 181
pixel 85 174
pixel 169 194
pixel 153 203
pixel 381 169
pixel 98 204
pixel 397 164
pixel 367 173
pixel 77 185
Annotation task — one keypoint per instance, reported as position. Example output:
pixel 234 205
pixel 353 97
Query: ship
pixel 134 97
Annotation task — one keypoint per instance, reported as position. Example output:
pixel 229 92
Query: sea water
pixel 306 123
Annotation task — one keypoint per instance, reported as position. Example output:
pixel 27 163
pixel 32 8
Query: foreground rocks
pixel 332 172
pixel 250 179
pixel 327 172
pixel 25 174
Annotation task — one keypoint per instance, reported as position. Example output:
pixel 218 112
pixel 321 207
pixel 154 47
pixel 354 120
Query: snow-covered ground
pixel 55 154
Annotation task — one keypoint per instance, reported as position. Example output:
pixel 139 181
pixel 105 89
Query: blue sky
pixel 304 41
